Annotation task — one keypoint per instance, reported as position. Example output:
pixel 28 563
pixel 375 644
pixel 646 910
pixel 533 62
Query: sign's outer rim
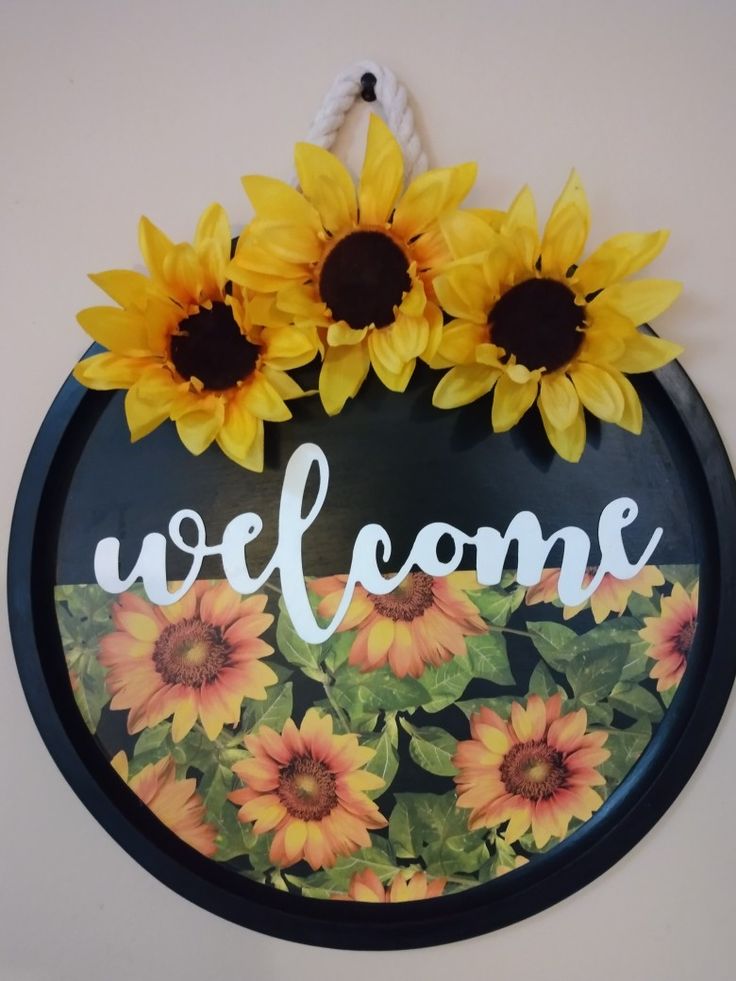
pixel 643 798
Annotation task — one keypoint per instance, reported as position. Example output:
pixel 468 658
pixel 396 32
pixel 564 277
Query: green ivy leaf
pixel 641 606
pixel 339 649
pixel 636 702
pixel 625 747
pixel 400 832
pixel 555 642
pixel 297 651
pixel 685 575
pixel 445 684
pixel 378 858
pixel 496 605
pixel 488 658
pixel 622 630
pixel 593 673
pixel 385 763
pixel 501 705
pixel 542 683
pixel 273 711
pixel 435 828
pixel 375 691
pixel 636 666
pixel 432 749
pixel 215 785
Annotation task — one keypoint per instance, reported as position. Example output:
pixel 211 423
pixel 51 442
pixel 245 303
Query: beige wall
pixel 113 109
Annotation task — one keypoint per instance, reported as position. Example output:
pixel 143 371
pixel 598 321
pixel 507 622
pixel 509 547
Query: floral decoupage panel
pixel 446 734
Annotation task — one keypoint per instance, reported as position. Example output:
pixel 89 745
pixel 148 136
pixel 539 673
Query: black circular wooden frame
pixel 643 797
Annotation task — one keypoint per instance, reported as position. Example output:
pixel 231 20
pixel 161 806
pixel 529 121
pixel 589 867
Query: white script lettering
pixel 372 547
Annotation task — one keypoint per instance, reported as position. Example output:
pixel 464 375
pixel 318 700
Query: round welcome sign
pixel 385 675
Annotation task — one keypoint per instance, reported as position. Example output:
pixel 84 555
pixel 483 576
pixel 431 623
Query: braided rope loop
pixel 391 96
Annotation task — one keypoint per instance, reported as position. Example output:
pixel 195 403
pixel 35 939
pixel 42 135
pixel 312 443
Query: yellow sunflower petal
pixel 212 241
pixel 395 381
pixel 142 415
pixel 343 372
pixel 327 185
pixel 520 225
pixel 458 343
pixel 463 292
pixel 121 331
pixel 154 246
pixel 238 432
pixel 644 353
pixel 341 334
pixel 199 425
pixel 570 442
pixel 632 417
pixel 288 347
pixel 284 384
pixel 511 401
pixel 254 457
pixel 183 274
pixel 598 391
pixel 119 763
pixel 560 400
pixel 431 195
pixel 567 229
pixel 262 400
pixel 126 287
pixel 466 234
pixel 279 201
pixel 382 174
pixel 640 300
pixel 109 371
pixel 464 384
pixel 619 256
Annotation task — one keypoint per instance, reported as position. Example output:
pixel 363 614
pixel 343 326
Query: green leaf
pixel 445 684
pixel 488 658
pixel 501 705
pixel 686 575
pixel 297 651
pixel 625 747
pixel 555 642
pixel 375 691
pixel 273 711
pixel 496 605
pixel 593 673
pixel 542 683
pixel 385 763
pixel 215 785
pixel 432 749
pixel 636 702
pixel 378 858
pixel 234 838
pixel 642 606
pixel 338 649
pixel 91 694
pixel 636 665
pixel 438 831
pixel 623 630
pixel 400 832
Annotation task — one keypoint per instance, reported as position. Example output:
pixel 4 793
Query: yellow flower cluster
pixel 378 277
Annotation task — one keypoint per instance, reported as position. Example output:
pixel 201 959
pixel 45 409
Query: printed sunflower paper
pixel 297 765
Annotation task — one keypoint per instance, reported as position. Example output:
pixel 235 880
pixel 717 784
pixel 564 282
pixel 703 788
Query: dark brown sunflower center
pixel 307 789
pixel 408 601
pixel 211 347
pixel 533 770
pixel 363 278
pixel 539 323
pixel 685 636
pixel 190 652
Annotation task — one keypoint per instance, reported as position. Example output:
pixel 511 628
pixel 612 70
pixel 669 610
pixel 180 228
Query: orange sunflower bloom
pixel 197 658
pixel 425 620
pixel 175 803
pixel 535 770
pixel 366 887
pixel 671 636
pixel 612 596
pixel 308 785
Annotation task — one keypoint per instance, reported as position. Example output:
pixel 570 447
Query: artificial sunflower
pixel 357 266
pixel 424 621
pixel 197 658
pixel 535 769
pixel 308 785
pixel 671 636
pixel 188 346
pixel 175 803
pixel 537 324
pixel 611 596
pixel 406 886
